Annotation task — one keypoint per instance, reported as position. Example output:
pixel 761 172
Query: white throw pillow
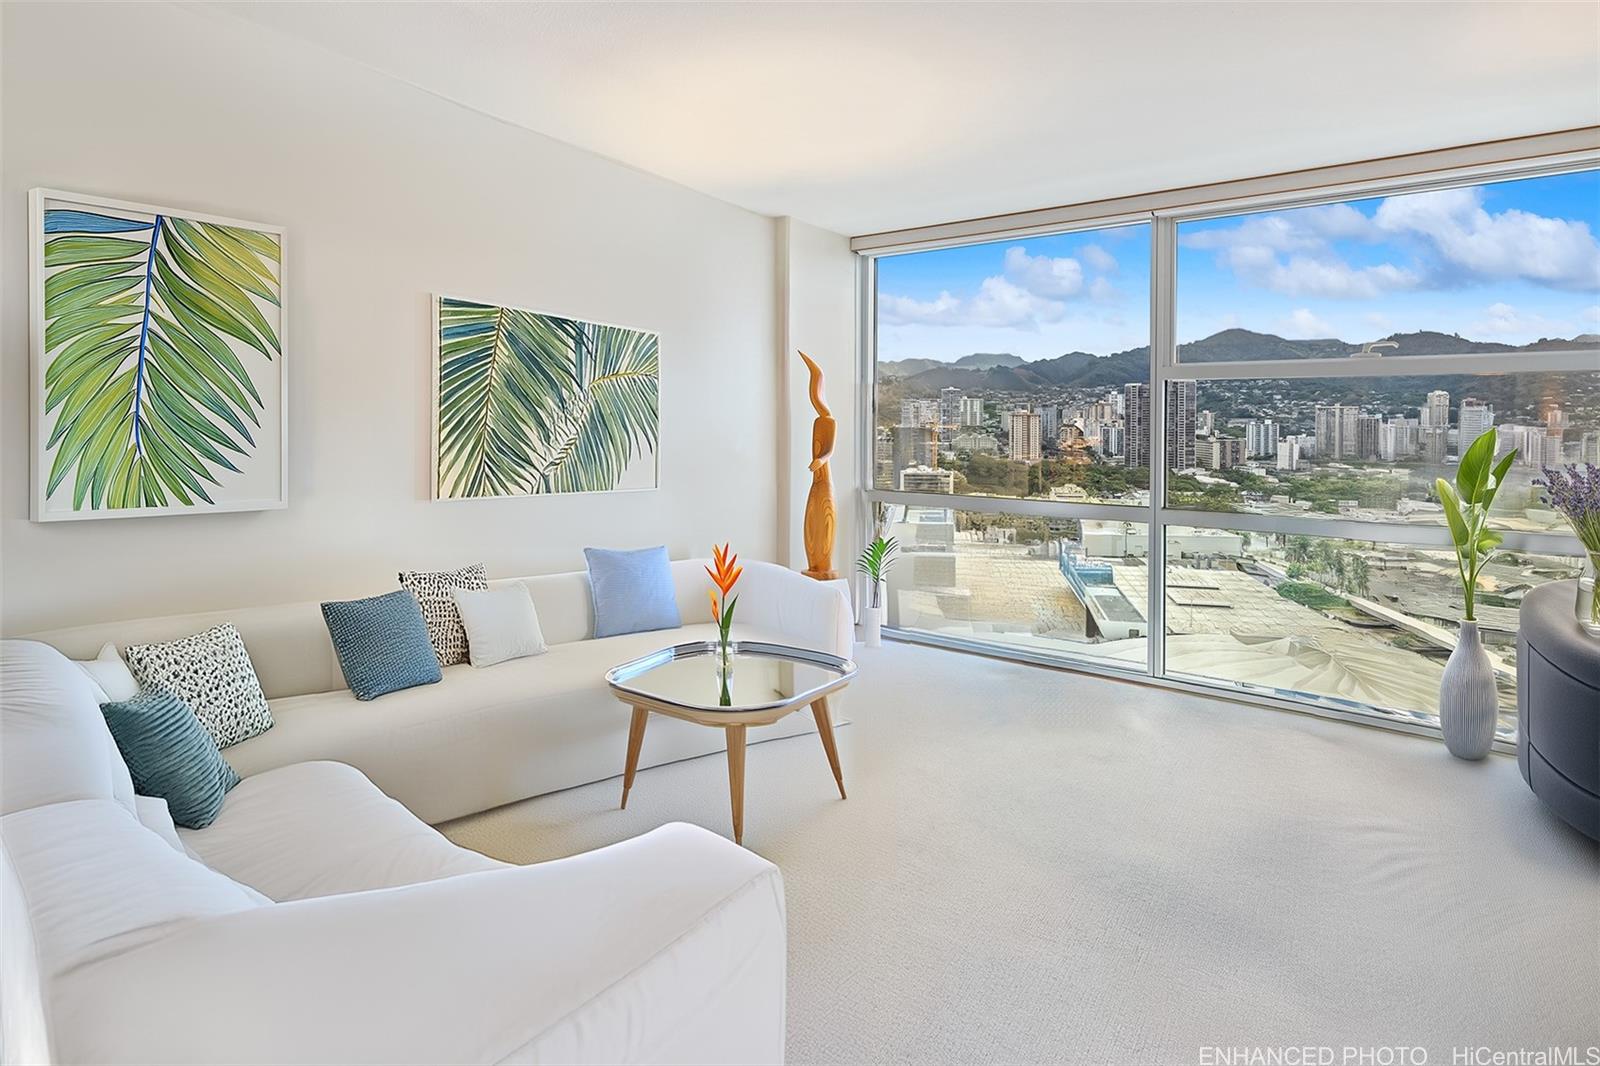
pixel 110 675
pixel 501 624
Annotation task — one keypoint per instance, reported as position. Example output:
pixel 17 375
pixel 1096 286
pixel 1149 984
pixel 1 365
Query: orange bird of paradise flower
pixel 724 576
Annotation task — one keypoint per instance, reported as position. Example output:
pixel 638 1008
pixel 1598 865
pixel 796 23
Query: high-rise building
pixel 1181 423
pixel 1555 419
pixel 919 412
pixel 1205 424
pixel 1432 442
pixel 1336 431
pixel 1289 453
pixel 1397 439
pixel 1136 442
pixel 971 411
pixel 1261 437
pixel 1589 448
pixel 1219 453
pixel 927 479
pixel 1472 420
pixel 1435 413
pixel 950 399
pixel 1049 420
pixel 914 446
pixel 883 457
pixel 1113 440
pixel 1025 437
pixel 1536 445
pixel 1367 436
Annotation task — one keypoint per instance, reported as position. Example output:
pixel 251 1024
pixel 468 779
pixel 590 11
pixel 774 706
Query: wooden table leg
pixel 635 742
pixel 736 779
pixel 819 711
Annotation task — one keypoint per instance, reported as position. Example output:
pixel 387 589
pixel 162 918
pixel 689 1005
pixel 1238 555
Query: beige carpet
pixel 1037 866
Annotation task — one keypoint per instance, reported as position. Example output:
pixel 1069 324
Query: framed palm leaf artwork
pixel 159 382
pixel 528 403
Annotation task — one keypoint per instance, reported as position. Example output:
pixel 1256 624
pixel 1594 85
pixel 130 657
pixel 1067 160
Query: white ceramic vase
pixel 872 626
pixel 1467 699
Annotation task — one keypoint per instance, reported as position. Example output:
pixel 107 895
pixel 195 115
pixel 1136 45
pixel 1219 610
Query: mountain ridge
pixel 1004 372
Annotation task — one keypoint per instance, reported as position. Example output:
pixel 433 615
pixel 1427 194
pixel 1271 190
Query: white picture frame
pixel 258 456
pixel 631 473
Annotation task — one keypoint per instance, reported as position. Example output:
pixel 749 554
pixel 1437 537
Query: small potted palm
pixel 876 562
pixel 1468 702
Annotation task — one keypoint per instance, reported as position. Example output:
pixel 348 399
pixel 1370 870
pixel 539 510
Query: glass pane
pixel 1371 448
pixel 1005 369
pixel 1353 623
pixel 1048 586
pixel 1504 267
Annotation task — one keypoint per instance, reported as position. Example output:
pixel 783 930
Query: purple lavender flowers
pixel 1575 492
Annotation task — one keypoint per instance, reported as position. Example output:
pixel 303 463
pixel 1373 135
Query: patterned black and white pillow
pixel 212 673
pixel 432 590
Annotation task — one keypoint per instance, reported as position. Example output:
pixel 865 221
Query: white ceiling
pixel 866 117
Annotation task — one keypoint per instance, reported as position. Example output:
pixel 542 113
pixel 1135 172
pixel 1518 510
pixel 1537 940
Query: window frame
pixel 1533 157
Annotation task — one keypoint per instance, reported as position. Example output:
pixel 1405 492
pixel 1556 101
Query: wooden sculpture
pixel 819 504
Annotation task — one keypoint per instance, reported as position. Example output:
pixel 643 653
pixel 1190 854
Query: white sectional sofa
pixel 482 738
pixel 316 920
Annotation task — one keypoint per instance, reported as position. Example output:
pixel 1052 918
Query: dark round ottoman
pixel 1558 707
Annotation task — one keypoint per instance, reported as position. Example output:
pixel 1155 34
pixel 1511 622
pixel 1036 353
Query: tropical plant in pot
pixel 876 562
pixel 1467 698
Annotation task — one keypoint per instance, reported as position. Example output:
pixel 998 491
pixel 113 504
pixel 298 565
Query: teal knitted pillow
pixel 382 643
pixel 170 755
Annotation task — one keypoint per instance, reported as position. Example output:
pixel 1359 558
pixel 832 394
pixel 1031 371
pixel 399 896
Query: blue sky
pixel 1510 262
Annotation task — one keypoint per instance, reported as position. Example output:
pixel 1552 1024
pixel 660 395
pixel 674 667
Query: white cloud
pixel 1042 275
pixel 999 302
pixel 1333 277
pixel 1503 320
pixel 1098 258
pixel 1473 242
pixel 1378 321
pixel 1303 324
pixel 1102 291
pixel 904 310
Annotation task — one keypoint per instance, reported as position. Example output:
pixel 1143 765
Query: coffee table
pixel 769 682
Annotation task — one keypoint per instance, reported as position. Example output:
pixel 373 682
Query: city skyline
pixel 1511 262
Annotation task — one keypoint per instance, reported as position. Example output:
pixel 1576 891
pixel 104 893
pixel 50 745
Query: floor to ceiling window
pixel 1247 502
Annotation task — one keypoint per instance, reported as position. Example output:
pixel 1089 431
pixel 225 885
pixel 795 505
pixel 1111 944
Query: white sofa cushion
pixel 666 948
pixel 319 829
pixel 99 883
pixel 501 624
pixel 57 747
pixel 154 815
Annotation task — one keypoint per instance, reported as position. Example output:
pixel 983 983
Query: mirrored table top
pixel 765 676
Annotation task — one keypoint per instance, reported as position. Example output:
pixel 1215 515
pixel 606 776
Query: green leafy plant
pixel 532 403
pixel 876 562
pixel 1466 509
pixel 150 396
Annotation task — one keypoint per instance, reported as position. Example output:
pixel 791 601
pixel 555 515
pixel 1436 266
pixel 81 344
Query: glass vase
pixel 1587 605
pixel 722 665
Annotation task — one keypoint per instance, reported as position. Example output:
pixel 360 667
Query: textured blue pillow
pixel 382 643
pixel 632 591
pixel 170 755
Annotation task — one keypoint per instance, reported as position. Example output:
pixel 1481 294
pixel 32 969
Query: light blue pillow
pixel 382 643
pixel 170 755
pixel 631 590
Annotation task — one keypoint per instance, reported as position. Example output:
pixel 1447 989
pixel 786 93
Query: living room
pixel 759 532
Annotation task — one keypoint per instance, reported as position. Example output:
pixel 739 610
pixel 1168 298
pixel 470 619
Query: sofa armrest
pixel 812 614
pixel 668 947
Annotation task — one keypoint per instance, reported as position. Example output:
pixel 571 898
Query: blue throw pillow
pixel 382 643
pixel 632 591
pixel 170 755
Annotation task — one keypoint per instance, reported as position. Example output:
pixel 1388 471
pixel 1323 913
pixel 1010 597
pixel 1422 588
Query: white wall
pixel 389 194
pixel 817 302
